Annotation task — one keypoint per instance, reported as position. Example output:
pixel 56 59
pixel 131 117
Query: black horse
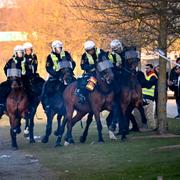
pixel 35 85
pixel 52 97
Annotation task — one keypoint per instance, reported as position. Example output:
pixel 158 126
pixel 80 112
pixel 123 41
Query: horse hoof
pixel 66 143
pixel 58 145
pixel 32 141
pixel 134 130
pixel 82 139
pixel 71 141
pixel 100 142
pixel 15 148
pixel 112 136
pixel 123 138
pixel 26 133
pixel 56 133
pixel 45 139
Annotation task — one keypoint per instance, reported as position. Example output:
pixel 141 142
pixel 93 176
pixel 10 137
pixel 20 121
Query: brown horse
pixel 17 107
pixel 129 97
pixel 98 100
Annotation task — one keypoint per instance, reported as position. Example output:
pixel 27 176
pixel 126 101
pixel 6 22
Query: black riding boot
pixel 82 98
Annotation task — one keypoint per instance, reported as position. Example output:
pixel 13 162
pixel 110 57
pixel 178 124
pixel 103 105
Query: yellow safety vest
pixel 56 60
pixel 15 60
pixel 150 91
pixel 23 64
pixel 90 58
pixel 23 71
pixel 117 57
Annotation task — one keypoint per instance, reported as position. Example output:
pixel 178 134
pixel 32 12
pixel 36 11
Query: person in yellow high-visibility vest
pixel 89 61
pixel 12 68
pixel 53 67
pixel 149 95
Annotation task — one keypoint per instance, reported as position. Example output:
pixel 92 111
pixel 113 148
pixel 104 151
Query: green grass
pixel 134 159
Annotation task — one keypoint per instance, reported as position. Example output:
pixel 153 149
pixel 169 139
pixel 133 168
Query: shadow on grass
pixel 133 159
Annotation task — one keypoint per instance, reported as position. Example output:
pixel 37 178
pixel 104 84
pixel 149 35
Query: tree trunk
pixel 162 100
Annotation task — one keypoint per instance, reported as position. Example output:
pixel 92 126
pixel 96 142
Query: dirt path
pixel 18 165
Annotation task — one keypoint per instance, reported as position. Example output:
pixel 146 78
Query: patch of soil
pixel 18 165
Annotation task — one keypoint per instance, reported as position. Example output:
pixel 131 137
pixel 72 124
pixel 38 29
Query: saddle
pixel 85 84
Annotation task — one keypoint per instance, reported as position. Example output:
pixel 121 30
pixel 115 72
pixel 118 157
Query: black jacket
pixel 11 64
pixel 50 64
pixel 148 84
pixel 174 78
pixel 31 64
pixel 85 63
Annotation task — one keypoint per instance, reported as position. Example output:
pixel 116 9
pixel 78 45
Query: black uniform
pixel 5 87
pixel 50 64
pixel 30 77
pixel 90 68
pixel 31 64
pixel 174 77
pixel 14 62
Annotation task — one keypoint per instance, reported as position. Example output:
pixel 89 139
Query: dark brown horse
pixel 98 100
pixel 17 107
pixel 129 97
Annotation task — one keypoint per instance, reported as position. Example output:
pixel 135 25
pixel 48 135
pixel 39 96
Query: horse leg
pixel 112 120
pixel 123 123
pixel 143 116
pixel 59 125
pixel 13 139
pixel 13 132
pixel 134 123
pixel 31 124
pixel 26 128
pixel 112 117
pixel 99 126
pixel 85 133
pixel 48 132
pixel 60 133
pixel 70 124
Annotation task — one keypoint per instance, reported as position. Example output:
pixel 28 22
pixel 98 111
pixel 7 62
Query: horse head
pixel 66 71
pixel 16 83
pixel 104 71
pixel 131 57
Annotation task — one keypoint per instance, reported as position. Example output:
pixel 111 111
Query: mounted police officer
pixel 30 62
pixel 29 70
pixel 115 57
pixel 115 54
pixel 53 63
pixel 88 63
pixel 12 68
pixel 55 57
